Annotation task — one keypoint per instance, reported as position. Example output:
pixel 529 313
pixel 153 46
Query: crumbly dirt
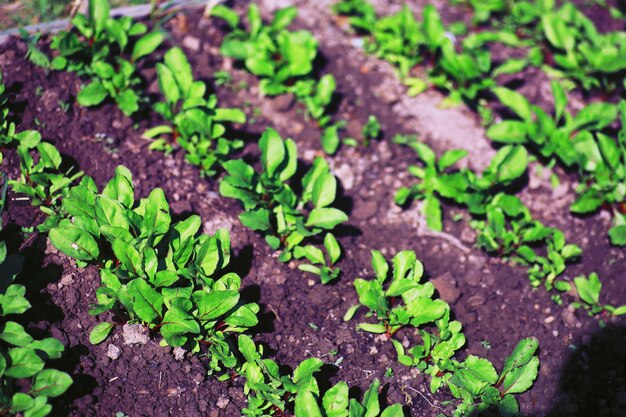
pixel 582 371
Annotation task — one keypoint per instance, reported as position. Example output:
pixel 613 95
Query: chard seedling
pixel 25 381
pixel 576 142
pixel 106 50
pixel 282 59
pixel 269 392
pixel 155 272
pixel 402 301
pixel 371 130
pixel 195 123
pixel 588 289
pixel 271 206
pixel 41 180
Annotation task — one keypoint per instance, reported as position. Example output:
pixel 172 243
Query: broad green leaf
pixel 306 369
pixel 481 368
pixel 588 288
pixel 326 218
pixel 508 131
pixel 215 304
pixel 324 190
pixel 432 212
pixel 335 400
pixel 521 378
pixel 147 303
pixel 15 334
pixel 332 248
pixel 513 161
pixel 256 220
pixel 617 234
pixel 100 332
pixel 167 84
pixel 515 101
pixel 393 411
pixel 177 323
pixel 521 355
pixel 23 363
pixel 380 265
pixel 180 68
pixel 129 257
pixel 98 14
pixel 306 405
pixel 272 151
pixel 74 242
pixel 450 158
pixel 146 45
pixel 51 383
pixel 92 94
pixel 560 99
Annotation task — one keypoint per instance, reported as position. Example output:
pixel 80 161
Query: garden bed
pixel 582 366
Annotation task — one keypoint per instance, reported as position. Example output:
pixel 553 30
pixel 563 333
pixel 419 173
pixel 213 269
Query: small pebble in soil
pixel 222 402
pixel 373 350
pixel 135 334
pixel 113 351
pixel 179 353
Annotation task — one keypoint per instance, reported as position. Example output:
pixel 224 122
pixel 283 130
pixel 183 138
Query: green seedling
pixel 107 50
pixel 588 290
pixel 320 265
pixel 576 142
pixel 271 207
pixel 153 271
pixel 269 392
pixel 283 60
pixel 41 179
pixel 403 301
pixel 371 130
pixel 462 187
pixel 25 381
pixel 362 13
pixel 195 123
pixel 405 42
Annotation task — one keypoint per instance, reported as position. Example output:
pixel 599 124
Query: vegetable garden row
pixel 125 218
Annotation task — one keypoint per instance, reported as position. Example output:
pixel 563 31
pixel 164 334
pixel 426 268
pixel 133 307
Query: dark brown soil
pixel 582 366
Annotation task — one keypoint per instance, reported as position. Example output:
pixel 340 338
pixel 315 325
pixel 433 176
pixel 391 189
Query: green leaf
pixel 515 101
pixel 332 248
pixel 146 45
pixel 229 15
pixel 393 411
pixel 450 158
pixel 324 190
pixel 306 369
pixel 521 355
pixel 617 234
pixel 177 63
pixel 167 84
pixel 511 163
pixel 215 304
pixel 177 323
pixel 560 99
pixel 256 220
pixel 283 18
pixel 432 212
pixel 98 14
pixel 272 151
pixel 129 257
pixel 92 94
pixel 74 242
pixel 50 383
pixel 508 131
pixel 23 363
pixel 481 369
pixel 21 402
pixel 147 303
pixel 15 334
pixel 589 288
pixel 306 405
pixel 100 332
pixel 326 218
pixel 521 378
pixel 335 400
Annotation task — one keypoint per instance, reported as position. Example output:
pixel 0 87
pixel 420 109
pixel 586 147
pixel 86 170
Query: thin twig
pixel 423 230
pixel 424 397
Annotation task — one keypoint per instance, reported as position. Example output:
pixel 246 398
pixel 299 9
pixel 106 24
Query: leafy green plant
pixel 97 47
pixel 321 265
pixel 270 393
pixel 153 272
pixel 25 381
pixel 466 72
pixel 576 142
pixel 371 130
pixel 194 121
pixel 588 289
pixel 282 59
pixel 272 207
pixel 41 180
pixel 405 301
pixel 462 187
pixel 417 306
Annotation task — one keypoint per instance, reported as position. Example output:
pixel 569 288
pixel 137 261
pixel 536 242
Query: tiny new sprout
pixel 371 130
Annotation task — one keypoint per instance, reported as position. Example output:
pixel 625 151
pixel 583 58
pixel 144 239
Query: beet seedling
pixel 25 381
pixel 194 121
pixel 153 272
pixel 96 46
pixel 282 59
pixel 271 207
